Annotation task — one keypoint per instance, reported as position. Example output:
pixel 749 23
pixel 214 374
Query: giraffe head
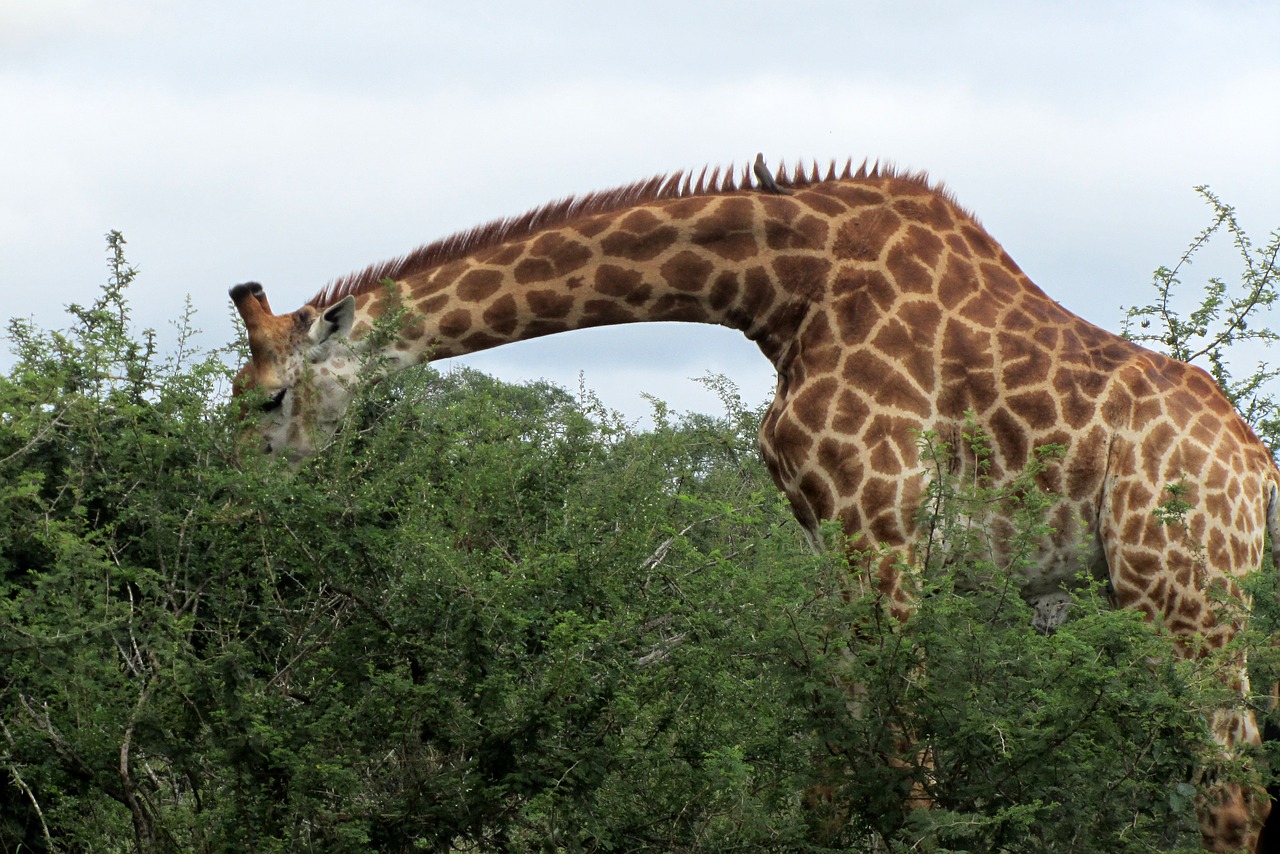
pixel 304 363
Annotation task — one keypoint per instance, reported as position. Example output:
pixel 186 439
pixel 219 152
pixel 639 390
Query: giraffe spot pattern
pixel 550 304
pixel 478 285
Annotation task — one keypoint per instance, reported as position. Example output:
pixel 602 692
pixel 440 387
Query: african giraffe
pixel 886 310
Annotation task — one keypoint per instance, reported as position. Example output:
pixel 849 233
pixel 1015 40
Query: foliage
pixel 1225 318
pixel 498 617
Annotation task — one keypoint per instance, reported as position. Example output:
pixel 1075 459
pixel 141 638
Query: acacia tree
pixel 1226 320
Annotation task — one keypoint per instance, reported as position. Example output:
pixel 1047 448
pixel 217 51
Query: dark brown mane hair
pixel 675 185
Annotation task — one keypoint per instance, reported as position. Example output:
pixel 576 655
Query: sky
pixel 292 142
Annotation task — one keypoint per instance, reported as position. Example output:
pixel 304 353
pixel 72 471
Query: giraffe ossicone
pixel 887 311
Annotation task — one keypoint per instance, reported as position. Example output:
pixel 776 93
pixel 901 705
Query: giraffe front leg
pixel 1233 813
pixel 877 688
pixel 1170 587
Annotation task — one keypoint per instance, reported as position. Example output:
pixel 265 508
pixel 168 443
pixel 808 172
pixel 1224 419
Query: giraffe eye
pixel 273 402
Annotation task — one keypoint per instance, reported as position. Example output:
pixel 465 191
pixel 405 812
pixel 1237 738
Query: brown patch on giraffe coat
pixel 819 353
pixel 1205 429
pixel 884 426
pixel 502 256
pixel 958 246
pixel 1087 456
pixel 839 460
pixel 896 341
pixel 883 457
pixel 1018 321
pixel 851 412
pixel 1190 609
pixel 957 284
pixel 1142 564
pixel 869 285
pixel 1009 435
pixel 414 326
pixel 530 270
pixel 1202 387
pixel 681 307
pixel 1154 535
pixel 565 255
pixel 908 271
pixel 1029 367
pixel 601 312
pixel 789 439
pixel 882 492
pixel 1049 337
pixel 639 221
pixel 757 293
pixel 866 369
pixel 1158 439
pixel 538 327
pixel 818 495
pixel 420 287
pixel 794 228
pixel 1139 496
pixel 478 285
pixel 687 271
pixel 857 195
pixel 805 275
pixel 640 237
pixel 1190 458
pixel 923 317
pixel 1158 592
pixel 687 208
pixel 724 291
pixel 1243 553
pixel 824 204
pixel 622 282
pixel 731 232
pixel 855 317
pixel 981 311
pixel 1216 479
pixel 1131 530
pixel 477 341
pixel 445 276
pixel 811 404
pixel 979 241
pixel 500 316
pixel 1002 287
pixel 932 211
pixel 924 244
pixel 455 323
pixel 1077 394
pixel 1037 408
pixel 1218 550
pixel 863 237
pixel 434 304
pixel 550 304
pixel 592 227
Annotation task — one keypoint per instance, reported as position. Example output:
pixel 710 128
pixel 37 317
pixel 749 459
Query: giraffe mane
pixel 674 185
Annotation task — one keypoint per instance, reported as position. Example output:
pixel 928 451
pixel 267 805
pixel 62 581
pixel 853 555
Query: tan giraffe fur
pixel 886 310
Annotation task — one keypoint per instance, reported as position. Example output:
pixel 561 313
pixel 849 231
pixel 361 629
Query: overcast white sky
pixel 292 142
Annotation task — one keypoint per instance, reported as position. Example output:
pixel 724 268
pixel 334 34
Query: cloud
pixel 239 141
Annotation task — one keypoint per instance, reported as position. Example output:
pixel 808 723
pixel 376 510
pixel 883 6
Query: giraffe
pixel 886 310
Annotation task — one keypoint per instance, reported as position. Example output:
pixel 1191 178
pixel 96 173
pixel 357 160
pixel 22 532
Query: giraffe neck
pixel 700 259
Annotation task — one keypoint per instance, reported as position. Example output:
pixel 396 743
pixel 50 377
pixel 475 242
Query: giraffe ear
pixel 337 320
